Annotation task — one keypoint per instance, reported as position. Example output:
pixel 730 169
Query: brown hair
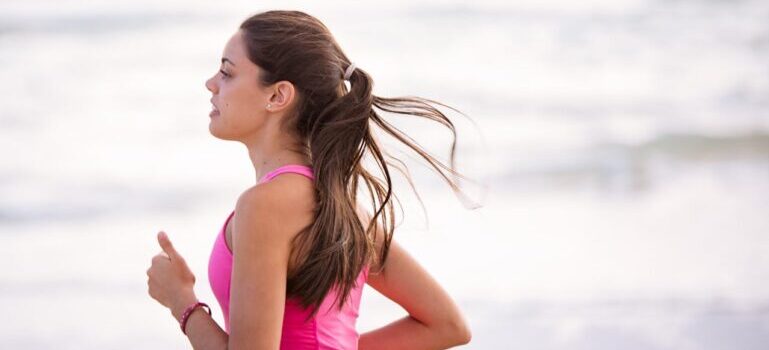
pixel 334 125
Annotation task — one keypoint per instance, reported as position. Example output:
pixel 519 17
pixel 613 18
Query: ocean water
pixel 620 151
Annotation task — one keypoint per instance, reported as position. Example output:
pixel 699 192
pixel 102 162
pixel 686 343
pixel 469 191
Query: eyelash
pixel 224 74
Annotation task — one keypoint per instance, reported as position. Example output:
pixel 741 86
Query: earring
pixel 269 105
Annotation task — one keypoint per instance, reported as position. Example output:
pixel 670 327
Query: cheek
pixel 239 108
pixel 238 100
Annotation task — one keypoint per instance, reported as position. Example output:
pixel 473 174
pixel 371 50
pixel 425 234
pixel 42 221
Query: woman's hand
pixel 170 281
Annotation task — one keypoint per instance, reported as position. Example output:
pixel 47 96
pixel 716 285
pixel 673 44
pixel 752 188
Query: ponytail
pixel 336 126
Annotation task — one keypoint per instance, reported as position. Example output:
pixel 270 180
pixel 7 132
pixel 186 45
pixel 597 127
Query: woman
pixel 290 261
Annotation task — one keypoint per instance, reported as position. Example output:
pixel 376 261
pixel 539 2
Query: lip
pixel 214 111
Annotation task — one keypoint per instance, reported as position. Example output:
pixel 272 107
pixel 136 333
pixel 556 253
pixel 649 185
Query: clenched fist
pixel 170 280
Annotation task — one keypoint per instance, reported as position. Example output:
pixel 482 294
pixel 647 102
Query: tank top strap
pixel 288 168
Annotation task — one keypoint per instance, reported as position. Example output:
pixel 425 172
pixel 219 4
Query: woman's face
pixel 239 100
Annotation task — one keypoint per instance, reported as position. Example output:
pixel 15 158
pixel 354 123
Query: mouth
pixel 214 110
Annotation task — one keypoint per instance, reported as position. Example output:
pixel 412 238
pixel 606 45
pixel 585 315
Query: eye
pixel 224 73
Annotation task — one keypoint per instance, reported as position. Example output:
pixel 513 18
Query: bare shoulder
pixel 285 194
pixel 267 217
pixel 284 205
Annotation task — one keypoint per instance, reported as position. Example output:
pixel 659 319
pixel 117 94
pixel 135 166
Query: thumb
pixel 165 244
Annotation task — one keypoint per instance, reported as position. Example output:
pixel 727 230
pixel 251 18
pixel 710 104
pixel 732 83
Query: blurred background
pixel 620 151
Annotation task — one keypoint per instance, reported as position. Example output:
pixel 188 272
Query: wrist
pixel 181 304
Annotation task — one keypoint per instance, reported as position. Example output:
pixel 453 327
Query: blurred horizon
pixel 623 146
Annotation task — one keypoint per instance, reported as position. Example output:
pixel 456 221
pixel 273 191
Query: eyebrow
pixel 225 59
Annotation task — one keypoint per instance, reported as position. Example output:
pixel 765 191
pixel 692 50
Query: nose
pixel 210 85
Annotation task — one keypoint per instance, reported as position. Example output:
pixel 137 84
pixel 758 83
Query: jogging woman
pixel 290 261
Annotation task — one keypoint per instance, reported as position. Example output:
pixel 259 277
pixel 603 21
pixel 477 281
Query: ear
pixel 283 96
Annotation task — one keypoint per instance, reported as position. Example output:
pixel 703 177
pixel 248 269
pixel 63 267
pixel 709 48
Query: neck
pixel 267 157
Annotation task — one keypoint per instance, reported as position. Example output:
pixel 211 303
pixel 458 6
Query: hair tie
pixel 348 72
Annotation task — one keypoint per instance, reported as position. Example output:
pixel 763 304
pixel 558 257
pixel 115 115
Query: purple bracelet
pixel 188 312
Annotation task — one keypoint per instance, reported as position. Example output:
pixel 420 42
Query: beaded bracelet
pixel 188 312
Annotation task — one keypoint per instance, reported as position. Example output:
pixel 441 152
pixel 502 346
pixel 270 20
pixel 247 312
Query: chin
pixel 212 130
pixel 216 133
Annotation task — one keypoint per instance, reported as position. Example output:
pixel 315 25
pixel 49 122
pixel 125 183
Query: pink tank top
pixel 329 329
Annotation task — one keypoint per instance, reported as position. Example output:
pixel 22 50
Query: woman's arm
pixel 266 218
pixel 202 331
pixel 434 320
